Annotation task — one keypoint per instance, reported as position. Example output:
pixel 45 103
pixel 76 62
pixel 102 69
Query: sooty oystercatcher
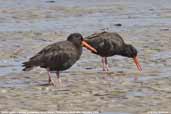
pixel 58 56
pixel 111 43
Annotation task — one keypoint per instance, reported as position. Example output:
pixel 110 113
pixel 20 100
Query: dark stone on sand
pixel 164 29
pixel 118 24
pixel 50 1
pixel 88 68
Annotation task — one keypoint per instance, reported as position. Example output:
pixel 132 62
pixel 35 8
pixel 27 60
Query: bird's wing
pixel 95 35
pixel 58 56
pixel 110 41
pixel 54 52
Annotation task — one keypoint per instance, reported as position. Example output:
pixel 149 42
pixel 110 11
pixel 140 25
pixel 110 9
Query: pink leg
pixel 103 63
pixel 49 79
pixel 106 64
pixel 58 78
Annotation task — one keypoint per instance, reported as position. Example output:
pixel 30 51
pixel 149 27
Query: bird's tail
pixel 27 66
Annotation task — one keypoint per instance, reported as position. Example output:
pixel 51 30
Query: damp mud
pixel 26 26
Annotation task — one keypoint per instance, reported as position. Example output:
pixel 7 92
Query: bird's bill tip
pixel 137 63
pixel 85 44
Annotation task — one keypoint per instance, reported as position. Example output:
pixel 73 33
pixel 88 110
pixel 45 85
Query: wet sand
pixel 28 26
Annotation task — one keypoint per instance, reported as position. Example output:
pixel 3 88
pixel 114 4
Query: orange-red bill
pixel 85 44
pixel 137 63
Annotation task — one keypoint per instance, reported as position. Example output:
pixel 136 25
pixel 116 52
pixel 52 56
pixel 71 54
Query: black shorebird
pixel 58 56
pixel 110 43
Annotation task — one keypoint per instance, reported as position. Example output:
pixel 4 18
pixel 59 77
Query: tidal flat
pixel 26 26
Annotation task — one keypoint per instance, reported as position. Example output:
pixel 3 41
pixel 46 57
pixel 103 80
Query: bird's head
pixel 77 39
pixel 131 52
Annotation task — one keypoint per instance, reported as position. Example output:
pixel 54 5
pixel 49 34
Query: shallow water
pixel 10 66
pixel 90 24
pixel 28 26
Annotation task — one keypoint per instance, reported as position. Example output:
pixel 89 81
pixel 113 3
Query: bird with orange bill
pixel 109 44
pixel 59 56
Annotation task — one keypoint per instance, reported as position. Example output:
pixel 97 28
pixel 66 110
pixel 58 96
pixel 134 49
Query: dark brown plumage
pixel 109 44
pixel 58 56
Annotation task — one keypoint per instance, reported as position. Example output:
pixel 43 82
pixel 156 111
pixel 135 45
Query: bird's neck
pixel 124 51
pixel 78 48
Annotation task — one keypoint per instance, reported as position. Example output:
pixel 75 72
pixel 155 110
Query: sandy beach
pixel 26 26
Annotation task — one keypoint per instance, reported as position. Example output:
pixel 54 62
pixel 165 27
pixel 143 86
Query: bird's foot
pixel 106 69
pixel 58 83
pixel 50 82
